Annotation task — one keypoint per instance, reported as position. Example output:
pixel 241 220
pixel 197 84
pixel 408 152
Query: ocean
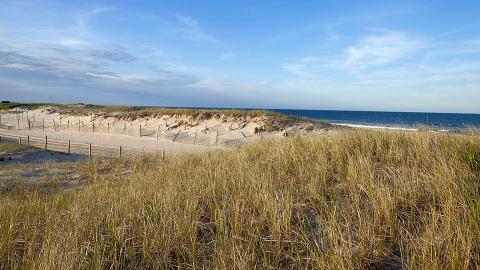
pixel 450 121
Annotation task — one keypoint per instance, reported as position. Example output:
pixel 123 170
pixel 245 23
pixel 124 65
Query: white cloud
pixel 191 30
pixel 381 49
pixel 72 42
pixel 395 68
pixel 182 69
pixel 369 52
pixel 82 18
pixel 16 66
pixel 313 66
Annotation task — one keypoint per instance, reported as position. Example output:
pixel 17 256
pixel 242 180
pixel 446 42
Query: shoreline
pixel 375 127
pixel 402 128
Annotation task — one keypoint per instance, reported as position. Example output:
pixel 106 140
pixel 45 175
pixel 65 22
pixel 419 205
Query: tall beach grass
pixel 353 199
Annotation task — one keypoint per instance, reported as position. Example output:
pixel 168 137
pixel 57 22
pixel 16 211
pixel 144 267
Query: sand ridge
pixel 170 133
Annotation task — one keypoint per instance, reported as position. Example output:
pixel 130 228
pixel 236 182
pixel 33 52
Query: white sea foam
pixel 375 127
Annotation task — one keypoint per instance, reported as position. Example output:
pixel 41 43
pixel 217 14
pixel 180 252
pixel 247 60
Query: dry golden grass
pixel 353 199
pixel 133 112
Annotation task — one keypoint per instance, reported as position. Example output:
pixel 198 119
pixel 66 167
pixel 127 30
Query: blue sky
pixel 347 55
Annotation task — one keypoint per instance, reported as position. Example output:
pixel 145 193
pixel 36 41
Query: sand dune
pixel 170 133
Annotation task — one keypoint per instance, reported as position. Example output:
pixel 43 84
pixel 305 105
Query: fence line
pixel 70 147
pixel 206 136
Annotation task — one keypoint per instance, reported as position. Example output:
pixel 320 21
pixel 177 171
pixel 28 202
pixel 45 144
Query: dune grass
pixel 136 111
pixel 13 147
pixel 353 199
pixel 132 113
pixel 271 119
pixel 13 105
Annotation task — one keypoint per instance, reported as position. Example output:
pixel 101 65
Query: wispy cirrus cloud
pixel 83 17
pixel 381 49
pixel 191 30
pixel 390 60
pixel 307 66
pixel 78 52
pixel 368 52
pixel 72 59
pixel 81 80
pixel 70 74
pixel 70 42
pixel 74 33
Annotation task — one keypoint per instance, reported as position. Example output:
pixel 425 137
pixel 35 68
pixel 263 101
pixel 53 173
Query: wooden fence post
pixel 108 127
pixel 174 138
pixel 18 124
pixel 0 120
pixel 28 121
pixel 46 142
pixel 54 126
pixel 124 127
pixel 28 140
pixel 69 147
pixel 19 140
pixel 78 125
pixel 43 124
pixel 216 139
pixel 163 154
pixel 93 127
pixel 90 151
pixel 120 151
pixel 140 133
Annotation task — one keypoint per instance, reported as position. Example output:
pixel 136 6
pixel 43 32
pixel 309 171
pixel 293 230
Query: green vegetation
pixel 133 112
pixel 30 105
pixel 12 105
pixel 349 200
pixel 12 147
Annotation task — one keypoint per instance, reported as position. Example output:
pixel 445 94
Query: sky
pixel 331 55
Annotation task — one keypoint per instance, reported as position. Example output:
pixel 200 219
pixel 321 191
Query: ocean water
pixel 451 121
